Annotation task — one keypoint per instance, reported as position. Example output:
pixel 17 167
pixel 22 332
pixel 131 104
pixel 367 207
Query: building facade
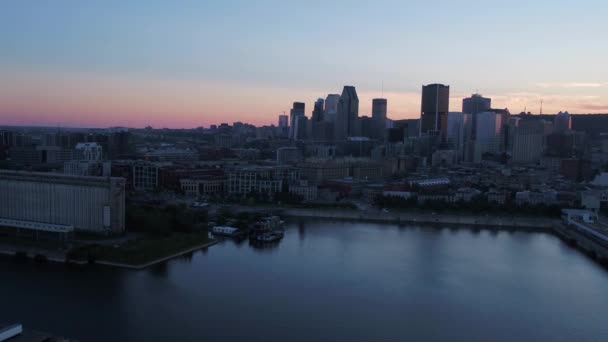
pixel 93 204
pixel 348 112
pixel 434 109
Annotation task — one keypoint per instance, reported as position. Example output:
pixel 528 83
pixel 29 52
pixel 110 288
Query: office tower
pixel 434 110
pixel 348 111
pixel 283 121
pixel 296 111
pixel 488 133
pixel 528 141
pixel 317 113
pixel 365 127
pixel 458 132
pixel 504 115
pixel 283 128
pixel 379 118
pixel 476 104
pixel 331 107
pixel 301 128
pixel 562 122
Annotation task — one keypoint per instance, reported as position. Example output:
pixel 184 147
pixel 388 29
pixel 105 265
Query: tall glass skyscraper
pixel 378 118
pixel 434 110
pixel 348 111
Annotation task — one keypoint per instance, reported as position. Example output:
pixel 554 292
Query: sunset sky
pixel 195 63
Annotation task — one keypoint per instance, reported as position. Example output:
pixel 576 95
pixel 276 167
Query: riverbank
pixel 541 223
pixel 157 261
pixel 133 254
pixel 142 252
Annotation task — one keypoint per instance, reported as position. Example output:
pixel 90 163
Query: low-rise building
pixel 259 179
pixel 309 192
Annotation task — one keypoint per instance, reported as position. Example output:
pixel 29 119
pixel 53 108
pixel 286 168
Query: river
pixel 328 281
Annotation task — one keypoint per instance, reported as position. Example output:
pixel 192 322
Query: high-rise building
pixel 562 122
pixel 488 133
pixel 379 118
pixel 458 132
pixel 317 113
pixel 296 111
pixel 331 107
pixel 348 111
pixel 283 121
pixel 434 110
pixel 476 104
pixel 365 126
pixel 528 141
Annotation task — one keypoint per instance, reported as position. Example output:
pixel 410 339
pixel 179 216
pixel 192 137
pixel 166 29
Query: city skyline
pixel 112 64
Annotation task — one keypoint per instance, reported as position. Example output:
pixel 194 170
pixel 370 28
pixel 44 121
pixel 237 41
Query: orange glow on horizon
pixel 90 100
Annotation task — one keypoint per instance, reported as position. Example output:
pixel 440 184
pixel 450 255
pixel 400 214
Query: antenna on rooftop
pixel 541 106
pixel 382 89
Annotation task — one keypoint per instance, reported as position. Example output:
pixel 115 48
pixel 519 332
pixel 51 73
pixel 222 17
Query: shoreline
pixel 61 259
pixel 156 261
pixel 512 222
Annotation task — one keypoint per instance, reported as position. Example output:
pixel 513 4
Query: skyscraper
pixel 528 141
pixel 296 111
pixel 348 111
pixel 562 122
pixel 434 110
pixel 488 132
pixel 458 132
pixel 317 113
pixel 476 104
pixel 283 129
pixel 378 118
pixel 331 107
pixel 283 121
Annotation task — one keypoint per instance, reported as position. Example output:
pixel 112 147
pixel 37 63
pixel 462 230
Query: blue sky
pixel 190 63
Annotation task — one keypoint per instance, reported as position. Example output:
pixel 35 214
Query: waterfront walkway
pixel 157 261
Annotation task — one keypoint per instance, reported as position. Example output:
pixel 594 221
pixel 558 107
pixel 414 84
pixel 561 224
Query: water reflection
pixel 159 270
pixel 264 246
pixel 349 282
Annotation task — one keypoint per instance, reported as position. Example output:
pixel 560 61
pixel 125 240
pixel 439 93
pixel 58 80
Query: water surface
pixel 328 281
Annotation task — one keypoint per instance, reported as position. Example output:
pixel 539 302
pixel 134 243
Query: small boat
pixel 226 231
pixel 267 237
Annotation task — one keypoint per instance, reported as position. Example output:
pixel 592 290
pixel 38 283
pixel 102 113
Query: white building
pixel 90 151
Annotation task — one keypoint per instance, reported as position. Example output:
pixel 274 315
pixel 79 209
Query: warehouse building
pixel 93 204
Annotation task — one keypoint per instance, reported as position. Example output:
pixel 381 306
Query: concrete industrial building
pixel 93 204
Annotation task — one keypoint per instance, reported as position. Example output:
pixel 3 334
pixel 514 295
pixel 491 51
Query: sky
pixel 184 64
